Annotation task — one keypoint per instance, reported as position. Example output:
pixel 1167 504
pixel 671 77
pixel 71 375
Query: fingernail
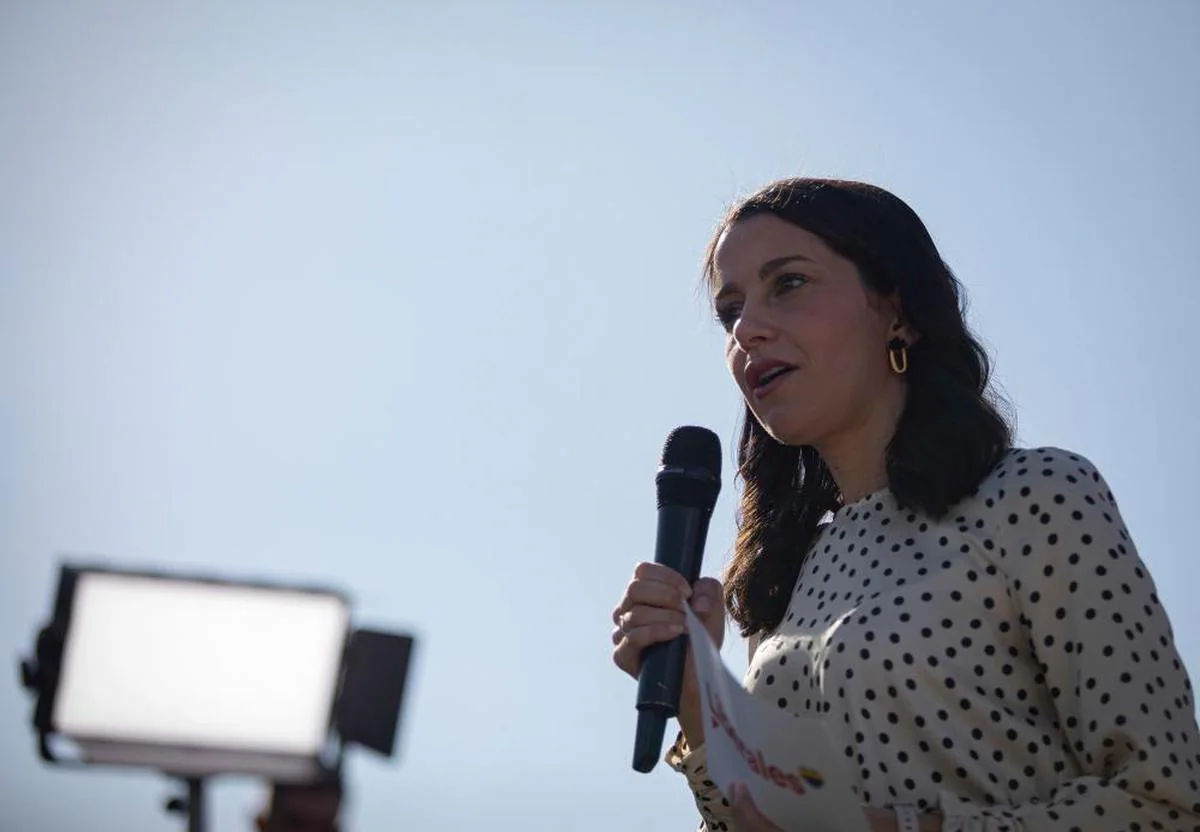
pixel 676 628
pixel 702 604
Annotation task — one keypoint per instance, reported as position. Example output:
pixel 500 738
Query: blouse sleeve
pixel 1105 648
pixel 715 812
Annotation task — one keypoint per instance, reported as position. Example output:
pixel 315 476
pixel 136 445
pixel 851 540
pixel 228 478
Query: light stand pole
pixel 195 804
pixel 192 805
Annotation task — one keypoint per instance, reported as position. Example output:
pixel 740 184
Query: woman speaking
pixel 972 620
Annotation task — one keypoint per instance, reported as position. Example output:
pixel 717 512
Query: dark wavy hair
pixel 953 429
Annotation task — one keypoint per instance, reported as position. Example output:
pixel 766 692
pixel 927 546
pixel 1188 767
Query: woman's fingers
pixel 642 616
pixel 650 612
pixel 646 571
pixel 639 638
pixel 631 643
pixel 660 591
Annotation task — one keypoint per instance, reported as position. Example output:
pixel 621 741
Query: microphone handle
pixel 647 742
pixel 679 544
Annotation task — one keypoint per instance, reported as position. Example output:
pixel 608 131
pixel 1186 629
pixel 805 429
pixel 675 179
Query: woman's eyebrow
pixel 764 270
pixel 774 263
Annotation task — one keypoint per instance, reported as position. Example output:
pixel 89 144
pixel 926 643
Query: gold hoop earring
pixel 898 356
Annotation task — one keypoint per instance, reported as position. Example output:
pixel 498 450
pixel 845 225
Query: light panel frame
pixel 104 616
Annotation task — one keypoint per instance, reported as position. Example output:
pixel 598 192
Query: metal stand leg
pixel 195 804
pixel 192 805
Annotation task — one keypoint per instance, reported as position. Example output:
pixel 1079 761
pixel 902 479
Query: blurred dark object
pixel 313 807
pixel 376 669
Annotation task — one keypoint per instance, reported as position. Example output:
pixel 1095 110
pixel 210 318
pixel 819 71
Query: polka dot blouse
pixel 1009 666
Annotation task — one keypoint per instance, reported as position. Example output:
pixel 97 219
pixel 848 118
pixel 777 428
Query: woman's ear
pixel 900 327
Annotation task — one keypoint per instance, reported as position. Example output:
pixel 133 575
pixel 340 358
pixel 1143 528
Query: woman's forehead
pixel 746 246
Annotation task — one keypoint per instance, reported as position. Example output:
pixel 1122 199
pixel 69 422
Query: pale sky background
pixel 400 296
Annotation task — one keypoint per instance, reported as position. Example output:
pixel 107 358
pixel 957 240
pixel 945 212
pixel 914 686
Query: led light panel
pixel 165 671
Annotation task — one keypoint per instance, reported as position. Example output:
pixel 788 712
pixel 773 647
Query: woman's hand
pixel 651 612
pixel 746 815
pixel 749 819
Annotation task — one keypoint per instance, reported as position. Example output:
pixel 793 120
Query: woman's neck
pixel 856 478
pixel 857 458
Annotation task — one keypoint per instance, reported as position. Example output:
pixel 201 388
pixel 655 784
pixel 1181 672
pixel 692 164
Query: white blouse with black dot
pixel 1009 666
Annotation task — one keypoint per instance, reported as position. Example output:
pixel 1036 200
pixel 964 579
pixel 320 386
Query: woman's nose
pixel 753 326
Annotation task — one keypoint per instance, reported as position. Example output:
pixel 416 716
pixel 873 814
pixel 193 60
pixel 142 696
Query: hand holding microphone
pixel 651 612
pixel 650 640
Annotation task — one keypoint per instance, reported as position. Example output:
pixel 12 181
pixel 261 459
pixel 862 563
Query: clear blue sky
pixel 401 296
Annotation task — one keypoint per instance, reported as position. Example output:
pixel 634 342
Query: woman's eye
pixel 727 316
pixel 790 281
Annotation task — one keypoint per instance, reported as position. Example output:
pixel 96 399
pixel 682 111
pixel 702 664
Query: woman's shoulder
pixel 1035 499
pixel 1025 476
pixel 1047 519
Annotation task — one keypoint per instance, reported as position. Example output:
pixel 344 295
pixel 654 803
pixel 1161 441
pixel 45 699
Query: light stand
pixel 195 807
pixel 192 805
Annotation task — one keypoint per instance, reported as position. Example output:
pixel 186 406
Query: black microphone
pixel 688 482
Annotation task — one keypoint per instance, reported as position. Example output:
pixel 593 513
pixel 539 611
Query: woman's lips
pixel 773 379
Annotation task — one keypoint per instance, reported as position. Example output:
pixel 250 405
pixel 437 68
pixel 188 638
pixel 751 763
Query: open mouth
pixel 766 376
pixel 770 375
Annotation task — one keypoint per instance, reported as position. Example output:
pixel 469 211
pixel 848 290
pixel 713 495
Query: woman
pixel 971 619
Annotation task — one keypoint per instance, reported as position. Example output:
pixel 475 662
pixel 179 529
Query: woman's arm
pixel 716 814
pixel 1104 644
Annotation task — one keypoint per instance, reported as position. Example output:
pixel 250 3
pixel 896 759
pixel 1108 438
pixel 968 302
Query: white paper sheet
pixel 795 775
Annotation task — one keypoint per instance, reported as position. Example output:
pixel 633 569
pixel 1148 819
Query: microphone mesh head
pixel 691 469
pixel 693 447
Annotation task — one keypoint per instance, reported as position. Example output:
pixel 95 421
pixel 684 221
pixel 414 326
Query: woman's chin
pixel 786 433
pixel 787 422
